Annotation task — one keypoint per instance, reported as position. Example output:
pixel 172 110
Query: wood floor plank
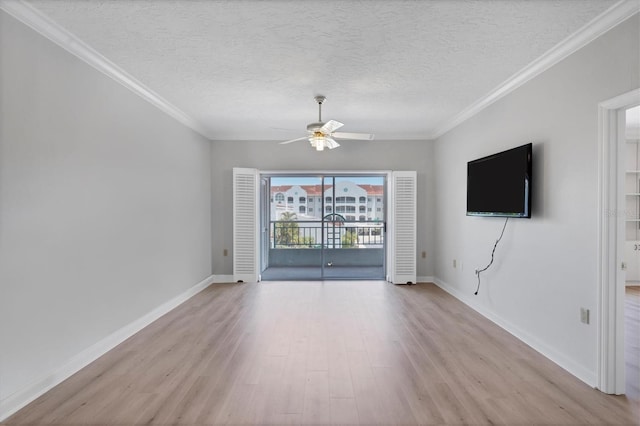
pixel 368 397
pixel 329 353
pixel 632 341
pixel 344 411
pixel 317 403
pixel 294 382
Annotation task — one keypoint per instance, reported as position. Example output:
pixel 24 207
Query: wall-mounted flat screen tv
pixel 500 184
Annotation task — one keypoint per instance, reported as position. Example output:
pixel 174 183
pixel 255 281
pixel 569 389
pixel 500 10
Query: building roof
pixel 373 189
pixel 316 190
pixel 281 188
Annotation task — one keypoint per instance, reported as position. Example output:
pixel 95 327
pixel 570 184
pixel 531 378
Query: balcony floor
pixel 287 273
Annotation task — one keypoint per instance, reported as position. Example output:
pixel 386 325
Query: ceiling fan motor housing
pixel 314 127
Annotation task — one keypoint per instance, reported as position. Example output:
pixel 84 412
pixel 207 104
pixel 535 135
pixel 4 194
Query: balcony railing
pixel 323 234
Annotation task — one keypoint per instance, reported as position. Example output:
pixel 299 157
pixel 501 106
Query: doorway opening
pixel 323 227
pixel 618 217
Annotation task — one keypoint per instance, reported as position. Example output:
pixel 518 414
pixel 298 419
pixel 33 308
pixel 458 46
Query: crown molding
pixel 607 20
pixel 36 20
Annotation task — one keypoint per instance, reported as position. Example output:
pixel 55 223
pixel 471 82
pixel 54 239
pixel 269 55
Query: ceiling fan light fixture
pixel 317 141
pixel 321 134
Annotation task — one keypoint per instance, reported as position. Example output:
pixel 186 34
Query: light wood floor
pixel 632 341
pixel 333 352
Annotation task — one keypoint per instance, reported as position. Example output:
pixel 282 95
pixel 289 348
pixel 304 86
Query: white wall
pixel 105 207
pixel 545 267
pixel 351 155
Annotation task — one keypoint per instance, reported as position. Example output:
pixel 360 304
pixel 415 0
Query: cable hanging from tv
pixel 479 271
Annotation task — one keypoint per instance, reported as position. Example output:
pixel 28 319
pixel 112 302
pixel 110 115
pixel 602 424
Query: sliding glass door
pixel 324 227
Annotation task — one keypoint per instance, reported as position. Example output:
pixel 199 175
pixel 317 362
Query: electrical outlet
pixel 584 315
pixel 455 263
pixel 225 252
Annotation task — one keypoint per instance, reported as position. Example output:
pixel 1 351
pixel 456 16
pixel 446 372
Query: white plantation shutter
pixel 403 238
pixel 245 225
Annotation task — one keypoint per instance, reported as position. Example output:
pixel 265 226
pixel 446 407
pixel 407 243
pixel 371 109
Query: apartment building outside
pixel 351 201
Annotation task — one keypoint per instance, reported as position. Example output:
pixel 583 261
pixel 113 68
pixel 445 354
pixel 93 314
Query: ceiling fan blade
pixel 294 140
pixel 358 136
pixel 330 143
pixel 330 126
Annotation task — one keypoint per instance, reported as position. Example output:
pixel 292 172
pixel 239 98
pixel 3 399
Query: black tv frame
pixel 526 214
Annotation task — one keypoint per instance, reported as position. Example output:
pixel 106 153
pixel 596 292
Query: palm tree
pixel 286 233
pixel 288 216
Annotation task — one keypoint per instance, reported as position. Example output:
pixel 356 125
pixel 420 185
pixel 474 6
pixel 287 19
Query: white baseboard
pixel 18 400
pixel 425 279
pixel 217 279
pixel 589 377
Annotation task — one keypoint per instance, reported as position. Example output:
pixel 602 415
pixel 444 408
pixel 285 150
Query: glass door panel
pixel 295 220
pixel 355 229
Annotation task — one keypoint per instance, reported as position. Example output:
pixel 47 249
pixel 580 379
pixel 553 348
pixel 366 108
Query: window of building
pixel 289 199
pixel 327 209
pixel 362 209
pixel 362 218
pixel 302 209
pixel 345 209
pixel 350 218
pixel 368 209
pixel 342 200
pixel 310 209
pixel 378 209
pixel 378 200
pixel 302 199
pixel 327 200
pixel 279 197
pixel 363 199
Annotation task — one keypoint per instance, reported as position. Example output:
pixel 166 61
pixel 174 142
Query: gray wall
pixel 104 207
pixel 352 155
pixel 545 267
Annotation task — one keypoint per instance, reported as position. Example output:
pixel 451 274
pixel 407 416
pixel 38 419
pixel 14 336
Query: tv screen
pixel 500 184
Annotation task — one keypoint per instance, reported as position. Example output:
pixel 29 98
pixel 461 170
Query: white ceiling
pixel 245 69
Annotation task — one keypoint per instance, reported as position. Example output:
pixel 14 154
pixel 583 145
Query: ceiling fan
pixel 321 135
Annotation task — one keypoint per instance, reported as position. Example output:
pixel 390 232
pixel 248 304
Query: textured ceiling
pixel 247 69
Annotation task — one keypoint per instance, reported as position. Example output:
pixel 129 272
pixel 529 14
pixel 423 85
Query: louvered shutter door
pixel 403 269
pixel 245 225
